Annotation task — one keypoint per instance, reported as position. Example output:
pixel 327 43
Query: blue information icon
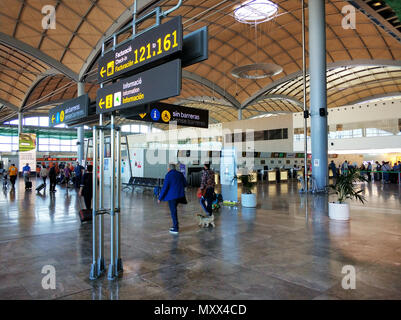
pixel 155 114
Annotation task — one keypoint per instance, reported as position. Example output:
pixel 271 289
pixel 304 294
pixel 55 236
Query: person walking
pixel 344 167
pixel 207 189
pixel 333 169
pixel 369 171
pixel 173 191
pixel 78 174
pixel 53 178
pixel 86 187
pixel 26 173
pixel 13 173
pixel 67 175
pixel 44 173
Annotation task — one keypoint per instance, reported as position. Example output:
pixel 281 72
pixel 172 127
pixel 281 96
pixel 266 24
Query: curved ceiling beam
pixel 333 65
pixel 39 78
pixel 38 54
pixel 9 105
pixel 280 97
pixel 375 97
pixel 211 85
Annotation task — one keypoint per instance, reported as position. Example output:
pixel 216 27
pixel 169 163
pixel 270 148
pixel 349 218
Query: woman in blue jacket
pixel 173 191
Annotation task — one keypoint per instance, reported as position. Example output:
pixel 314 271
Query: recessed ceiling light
pixel 376 4
pixel 255 11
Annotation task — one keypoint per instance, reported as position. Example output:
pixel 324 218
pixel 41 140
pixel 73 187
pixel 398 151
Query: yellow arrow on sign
pixel 102 72
pixel 142 115
pixel 101 103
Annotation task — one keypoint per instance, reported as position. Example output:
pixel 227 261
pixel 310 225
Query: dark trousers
pixel 12 179
pixel 78 181
pixel 52 184
pixel 88 201
pixel 173 210
pixel 44 179
pixel 208 198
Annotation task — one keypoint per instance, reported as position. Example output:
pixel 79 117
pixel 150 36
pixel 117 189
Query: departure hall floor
pixel 285 249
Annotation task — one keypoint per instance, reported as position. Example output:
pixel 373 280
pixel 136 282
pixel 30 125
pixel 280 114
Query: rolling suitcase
pixel 42 186
pixel 28 185
pixel 85 215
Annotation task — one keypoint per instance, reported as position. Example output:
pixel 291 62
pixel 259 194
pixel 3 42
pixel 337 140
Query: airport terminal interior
pixel 280 118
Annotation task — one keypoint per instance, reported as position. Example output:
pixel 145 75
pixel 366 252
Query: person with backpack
pixel 207 189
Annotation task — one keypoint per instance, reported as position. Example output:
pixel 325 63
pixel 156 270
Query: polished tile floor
pixel 287 248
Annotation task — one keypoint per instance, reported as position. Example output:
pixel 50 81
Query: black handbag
pixel 182 200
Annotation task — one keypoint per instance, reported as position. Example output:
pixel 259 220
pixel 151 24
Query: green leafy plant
pixel 247 182
pixel 345 186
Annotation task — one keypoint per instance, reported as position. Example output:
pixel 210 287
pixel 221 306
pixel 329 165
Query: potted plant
pixel 248 199
pixel 345 187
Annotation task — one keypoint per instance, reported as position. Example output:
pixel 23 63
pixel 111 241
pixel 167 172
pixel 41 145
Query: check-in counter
pixel 271 175
pixel 283 175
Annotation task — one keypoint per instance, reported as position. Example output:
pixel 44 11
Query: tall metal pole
pixel 112 267
pixel 81 132
pixel 94 273
pixel 305 107
pixel 119 264
pixel 318 91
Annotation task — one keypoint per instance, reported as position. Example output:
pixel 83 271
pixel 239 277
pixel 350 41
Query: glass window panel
pixel 5 147
pixel 43 121
pixel 126 128
pixel 43 147
pixel 135 128
pixel 65 142
pixel 43 140
pixel 6 139
pixel 144 129
pixel 54 148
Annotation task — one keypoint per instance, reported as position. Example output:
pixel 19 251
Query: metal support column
pixel 100 262
pixel 20 119
pixel 94 273
pixel 304 97
pixel 318 92
pixel 112 267
pixel 81 133
pixel 239 114
pixel 119 263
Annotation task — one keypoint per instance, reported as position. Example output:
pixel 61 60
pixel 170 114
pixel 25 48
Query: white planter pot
pixel 339 211
pixel 248 200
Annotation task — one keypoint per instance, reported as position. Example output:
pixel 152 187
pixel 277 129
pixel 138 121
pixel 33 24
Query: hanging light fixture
pixel 255 11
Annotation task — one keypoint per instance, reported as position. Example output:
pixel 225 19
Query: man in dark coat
pixel 52 178
pixel 173 190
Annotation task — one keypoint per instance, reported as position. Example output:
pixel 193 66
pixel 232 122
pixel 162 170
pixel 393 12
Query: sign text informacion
pixel 156 84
